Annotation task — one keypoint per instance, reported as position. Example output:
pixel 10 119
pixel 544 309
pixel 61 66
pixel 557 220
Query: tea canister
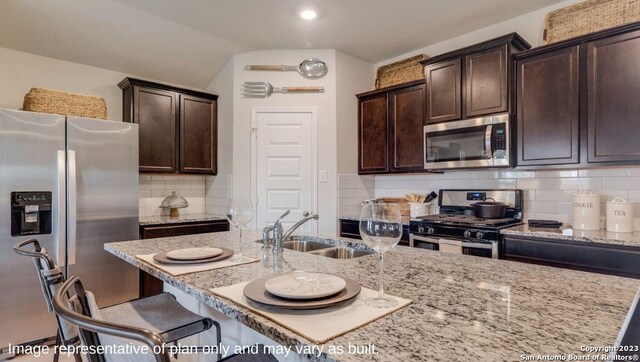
pixel 586 211
pixel 620 215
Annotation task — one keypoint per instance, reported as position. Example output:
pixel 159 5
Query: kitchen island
pixel 464 308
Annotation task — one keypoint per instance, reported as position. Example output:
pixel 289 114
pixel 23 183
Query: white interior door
pixel 285 166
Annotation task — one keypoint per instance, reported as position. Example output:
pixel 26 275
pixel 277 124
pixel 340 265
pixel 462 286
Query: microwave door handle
pixel 487 141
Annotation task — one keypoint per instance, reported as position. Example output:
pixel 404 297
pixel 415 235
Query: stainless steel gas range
pixel 456 229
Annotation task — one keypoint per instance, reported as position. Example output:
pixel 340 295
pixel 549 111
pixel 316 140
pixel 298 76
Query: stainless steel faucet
pixel 278 236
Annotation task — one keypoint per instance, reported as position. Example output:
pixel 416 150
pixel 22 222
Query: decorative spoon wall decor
pixel 312 68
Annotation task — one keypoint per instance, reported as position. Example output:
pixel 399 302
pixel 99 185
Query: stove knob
pixel 479 235
pixel 421 229
pixel 467 233
pixel 430 230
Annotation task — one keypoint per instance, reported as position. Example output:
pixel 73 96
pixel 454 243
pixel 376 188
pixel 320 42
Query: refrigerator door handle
pixel 61 237
pixel 72 219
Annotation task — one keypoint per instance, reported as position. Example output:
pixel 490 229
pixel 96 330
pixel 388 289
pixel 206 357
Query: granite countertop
pixel 405 219
pixel 465 307
pixel 567 233
pixel 158 220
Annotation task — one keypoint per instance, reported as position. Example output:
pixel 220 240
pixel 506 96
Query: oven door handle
pixel 487 141
pixel 413 238
pixel 492 245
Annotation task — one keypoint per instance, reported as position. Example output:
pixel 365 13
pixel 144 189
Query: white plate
pixel 304 285
pixel 193 253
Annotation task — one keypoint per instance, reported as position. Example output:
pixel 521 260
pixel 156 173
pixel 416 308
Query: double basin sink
pixel 326 250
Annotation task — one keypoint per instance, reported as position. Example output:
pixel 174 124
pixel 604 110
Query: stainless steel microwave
pixel 471 143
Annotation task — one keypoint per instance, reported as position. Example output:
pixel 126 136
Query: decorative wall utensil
pixel 265 89
pixel 312 68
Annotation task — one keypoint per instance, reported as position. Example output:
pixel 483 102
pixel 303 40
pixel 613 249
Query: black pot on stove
pixel 489 209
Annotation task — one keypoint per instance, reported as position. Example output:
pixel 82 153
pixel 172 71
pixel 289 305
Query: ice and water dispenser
pixel 30 213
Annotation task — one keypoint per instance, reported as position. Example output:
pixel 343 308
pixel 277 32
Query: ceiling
pixel 189 41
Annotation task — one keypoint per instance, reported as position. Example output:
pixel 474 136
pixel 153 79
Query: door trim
pixel 255 112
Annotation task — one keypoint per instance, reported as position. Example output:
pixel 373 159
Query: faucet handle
pixel 306 213
pixel 282 216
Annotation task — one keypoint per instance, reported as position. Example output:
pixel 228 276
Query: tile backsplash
pixel 218 190
pixel 547 194
pixel 352 189
pixel 155 187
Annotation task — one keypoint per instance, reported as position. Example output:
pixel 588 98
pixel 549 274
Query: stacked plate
pixel 301 290
pixel 193 255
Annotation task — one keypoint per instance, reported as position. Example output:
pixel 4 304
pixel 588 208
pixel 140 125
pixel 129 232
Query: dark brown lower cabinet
pixel 351 229
pixel 591 257
pixel 150 285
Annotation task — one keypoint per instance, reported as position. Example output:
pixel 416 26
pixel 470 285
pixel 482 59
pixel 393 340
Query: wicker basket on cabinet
pixel 69 104
pixel 588 17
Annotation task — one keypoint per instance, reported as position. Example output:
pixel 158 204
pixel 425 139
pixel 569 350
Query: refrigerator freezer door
pixel 29 161
pixel 103 205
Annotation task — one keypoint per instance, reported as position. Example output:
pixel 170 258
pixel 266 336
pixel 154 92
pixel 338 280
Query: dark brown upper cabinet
pixel 577 101
pixel 197 118
pixel 390 122
pixel 178 127
pixel 444 98
pixel 486 82
pixel 472 81
pixel 154 111
pixel 373 135
pixel 548 108
pixel 613 108
pixel 406 115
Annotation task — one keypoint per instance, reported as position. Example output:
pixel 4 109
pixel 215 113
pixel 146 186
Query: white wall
pixel 325 103
pixel 353 76
pixel 219 187
pixel 21 71
pixel 530 26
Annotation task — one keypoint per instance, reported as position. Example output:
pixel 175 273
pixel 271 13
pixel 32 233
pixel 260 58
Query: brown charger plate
pixel 164 259
pixel 256 292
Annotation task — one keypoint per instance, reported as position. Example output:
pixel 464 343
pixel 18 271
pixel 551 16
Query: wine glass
pixel 381 229
pixel 239 214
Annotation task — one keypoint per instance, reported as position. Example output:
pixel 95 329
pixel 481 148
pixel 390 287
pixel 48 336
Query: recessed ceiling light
pixel 308 14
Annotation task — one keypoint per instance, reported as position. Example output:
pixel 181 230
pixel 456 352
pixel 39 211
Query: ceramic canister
pixel 417 209
pixel 620 215
pixel 586 211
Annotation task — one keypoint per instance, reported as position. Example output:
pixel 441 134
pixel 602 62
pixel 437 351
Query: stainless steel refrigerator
pixel 71 183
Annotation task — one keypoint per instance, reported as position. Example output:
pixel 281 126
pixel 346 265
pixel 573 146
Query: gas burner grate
pixel 466 220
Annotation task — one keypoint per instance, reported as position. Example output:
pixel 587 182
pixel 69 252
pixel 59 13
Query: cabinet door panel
pixel 155 113
pixel 548 108
pixel 406 114
pixel 613 109
pixel 373 135
pixel 197 135
pixel 444 91
pixel 486 82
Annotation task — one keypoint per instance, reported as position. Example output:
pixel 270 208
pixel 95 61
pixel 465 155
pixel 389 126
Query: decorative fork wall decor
pixel 265 89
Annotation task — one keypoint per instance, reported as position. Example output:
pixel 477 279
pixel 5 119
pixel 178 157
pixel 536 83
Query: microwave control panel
pixel 499 136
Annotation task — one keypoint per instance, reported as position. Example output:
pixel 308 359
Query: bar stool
pixel 160 315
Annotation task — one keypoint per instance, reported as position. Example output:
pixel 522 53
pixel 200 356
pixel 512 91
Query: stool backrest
pixel 72 303
pixel 51 278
